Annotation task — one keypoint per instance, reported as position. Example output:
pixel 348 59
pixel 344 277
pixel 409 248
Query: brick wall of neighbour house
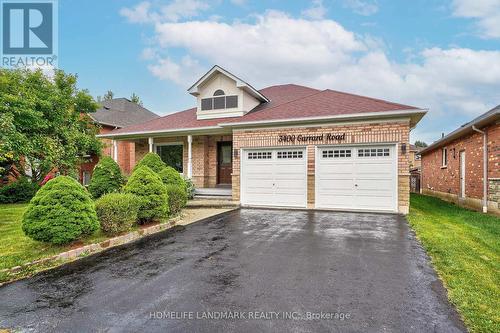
pixel 126 154
pixel 376 132
pixel 204 155
pixel 445 181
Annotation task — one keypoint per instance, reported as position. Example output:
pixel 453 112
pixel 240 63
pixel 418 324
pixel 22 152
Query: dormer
pixel 221 94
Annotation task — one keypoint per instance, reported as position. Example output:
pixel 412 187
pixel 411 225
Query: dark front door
pixel 224 162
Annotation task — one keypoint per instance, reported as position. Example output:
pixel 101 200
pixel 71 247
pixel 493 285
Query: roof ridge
pixel 371 98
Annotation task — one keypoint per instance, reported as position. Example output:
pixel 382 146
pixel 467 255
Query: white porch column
pixel 190 156
pixel 151 143
pixel 115 150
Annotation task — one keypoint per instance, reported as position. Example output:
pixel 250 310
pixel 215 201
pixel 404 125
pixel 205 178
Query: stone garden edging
pixel 98 247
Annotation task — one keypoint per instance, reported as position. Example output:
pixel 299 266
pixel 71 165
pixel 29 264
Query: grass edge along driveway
pixel 465 249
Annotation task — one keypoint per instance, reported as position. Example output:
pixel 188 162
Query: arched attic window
pixel 219 101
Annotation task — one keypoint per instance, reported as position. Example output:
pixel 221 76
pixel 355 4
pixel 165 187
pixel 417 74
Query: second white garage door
pixel 274 177
pixel 357 178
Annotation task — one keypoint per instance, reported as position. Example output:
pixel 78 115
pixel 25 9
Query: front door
pixel 224 162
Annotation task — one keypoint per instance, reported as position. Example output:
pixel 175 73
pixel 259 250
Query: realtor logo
pixel 29 32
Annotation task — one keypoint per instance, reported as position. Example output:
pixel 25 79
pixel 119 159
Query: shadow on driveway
pixel 271 268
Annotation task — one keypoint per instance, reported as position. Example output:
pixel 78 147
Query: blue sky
pixel 441 55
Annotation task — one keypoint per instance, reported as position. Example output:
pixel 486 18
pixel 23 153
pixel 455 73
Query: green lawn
pixel 465 249
pixel 16 248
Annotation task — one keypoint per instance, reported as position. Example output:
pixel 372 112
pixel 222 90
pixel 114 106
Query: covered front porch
pixel 205 159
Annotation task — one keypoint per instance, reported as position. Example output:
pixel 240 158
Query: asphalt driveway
pixel 280 271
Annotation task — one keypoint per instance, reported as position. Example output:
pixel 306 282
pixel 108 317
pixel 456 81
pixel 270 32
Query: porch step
pixel 212 202
pixel 214 192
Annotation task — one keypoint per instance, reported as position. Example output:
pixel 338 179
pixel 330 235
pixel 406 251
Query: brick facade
pixel 445 181
pixel 204 151
pixel 126 155
pixel 390 132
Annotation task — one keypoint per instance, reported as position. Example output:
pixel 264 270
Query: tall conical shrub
pixel 153 161
pixel 106 178
pixel 151 192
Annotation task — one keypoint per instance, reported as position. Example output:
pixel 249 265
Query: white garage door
pixel 274 177
pixel 358 178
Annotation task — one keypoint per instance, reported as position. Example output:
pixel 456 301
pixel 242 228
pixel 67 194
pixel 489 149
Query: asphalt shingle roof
pixel 286 102
pixel 121 112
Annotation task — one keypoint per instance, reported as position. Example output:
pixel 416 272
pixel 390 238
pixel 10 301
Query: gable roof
pixel 121 112
pixel 287 103
pixel 193 90
pixel 481 121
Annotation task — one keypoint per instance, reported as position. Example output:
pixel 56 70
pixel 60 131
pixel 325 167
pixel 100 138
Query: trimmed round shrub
pixel 153 197
pixel 117 212
pixel 106 178
pixel 22 190
pixel 177 198
pixel 60 212
pixel 170 176
pixel 153 161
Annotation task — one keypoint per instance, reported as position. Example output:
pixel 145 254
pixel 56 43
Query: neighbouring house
pixel 285 145
pixel 464 166
pixel 113 114
pixel 414 157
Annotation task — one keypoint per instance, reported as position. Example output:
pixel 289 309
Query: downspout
pixel 485 168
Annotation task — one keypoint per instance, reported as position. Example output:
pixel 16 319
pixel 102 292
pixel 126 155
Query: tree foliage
pixel 44 122
pixel 136 99
pixel 60 212
pixel 106 178
pixel 420 144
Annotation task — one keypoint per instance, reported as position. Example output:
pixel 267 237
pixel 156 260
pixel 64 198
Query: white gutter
pixel 219 126
pixel 485 168
pixel 190 129
pixel 323 118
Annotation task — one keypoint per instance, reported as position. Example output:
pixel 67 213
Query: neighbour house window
pixel 444 157
pixel 219 101
pixel 85 178
pixel 171 154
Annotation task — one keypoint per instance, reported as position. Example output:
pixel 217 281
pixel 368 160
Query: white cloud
pixel 362 7
pixel 487 12
pixel 172 12
pixel 239 2
pixel 455 83
pixel 316 12
pixel 137 14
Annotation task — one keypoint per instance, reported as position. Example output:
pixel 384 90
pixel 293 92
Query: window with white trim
pixel 219 101
pixel 85 178
pixel 444 157
pixel 336 153
pixel 373 152
pixel 259 155
pixel 172 155
pixel 290 154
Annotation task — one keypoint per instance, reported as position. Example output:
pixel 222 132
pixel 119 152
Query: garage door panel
pixel 280 174
pixel 366 179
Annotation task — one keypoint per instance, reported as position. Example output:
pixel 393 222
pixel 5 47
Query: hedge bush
pixel 190 188
pixel 177 198
pixel 60 212
pixel 106 178
pixel 170 176
pixel 153 197
pixel 21 190
pixel 153 161
pixel 117 212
